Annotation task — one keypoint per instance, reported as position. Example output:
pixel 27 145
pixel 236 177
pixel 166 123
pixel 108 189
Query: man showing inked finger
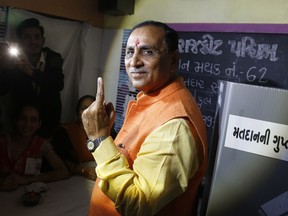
pixel 156 163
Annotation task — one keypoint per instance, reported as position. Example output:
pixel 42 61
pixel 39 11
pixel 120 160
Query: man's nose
pixel 33 40
pixel 136 59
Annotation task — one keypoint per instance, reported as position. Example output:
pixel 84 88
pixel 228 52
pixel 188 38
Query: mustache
pixel 137 70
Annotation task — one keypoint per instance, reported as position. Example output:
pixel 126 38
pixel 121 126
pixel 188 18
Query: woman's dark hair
pixel 33 104
pixel 28 23
pixel 171 36
pixel 83 98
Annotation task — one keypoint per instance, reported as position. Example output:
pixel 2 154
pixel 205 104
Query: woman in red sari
pixel 22 152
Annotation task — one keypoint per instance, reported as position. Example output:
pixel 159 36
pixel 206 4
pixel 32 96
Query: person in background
pixel 21 153
pixel 37 75
pixel 156 163
pixel 70 140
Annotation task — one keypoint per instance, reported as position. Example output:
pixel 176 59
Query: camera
pixel 14 51
pixel 10 49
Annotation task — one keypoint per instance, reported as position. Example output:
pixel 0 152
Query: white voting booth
pixel 250 175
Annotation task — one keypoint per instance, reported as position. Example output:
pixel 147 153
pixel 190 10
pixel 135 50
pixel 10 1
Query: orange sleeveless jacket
pixel 142 117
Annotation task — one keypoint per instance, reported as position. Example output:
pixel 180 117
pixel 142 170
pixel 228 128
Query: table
pixel 66 197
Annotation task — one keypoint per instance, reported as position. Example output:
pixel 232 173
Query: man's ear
pixel 43 41
pixel 175 60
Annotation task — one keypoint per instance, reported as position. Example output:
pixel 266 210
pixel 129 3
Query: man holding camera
pixel 37 75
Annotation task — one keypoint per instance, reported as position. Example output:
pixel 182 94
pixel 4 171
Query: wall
pixel 203 11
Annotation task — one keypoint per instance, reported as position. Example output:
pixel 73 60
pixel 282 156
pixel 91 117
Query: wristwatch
pixel 93 144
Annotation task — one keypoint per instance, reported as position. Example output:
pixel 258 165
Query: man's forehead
pixel 31 30
pixel 144 40
pixel 146 35
pixel 135 41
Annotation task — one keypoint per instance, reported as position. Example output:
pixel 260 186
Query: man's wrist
pixel 92 145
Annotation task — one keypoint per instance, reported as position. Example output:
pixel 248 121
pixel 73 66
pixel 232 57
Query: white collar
pixel 42 62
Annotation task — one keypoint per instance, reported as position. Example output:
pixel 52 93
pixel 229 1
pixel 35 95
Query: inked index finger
pixel 100 92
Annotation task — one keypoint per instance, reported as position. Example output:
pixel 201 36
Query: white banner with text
pixel 258 137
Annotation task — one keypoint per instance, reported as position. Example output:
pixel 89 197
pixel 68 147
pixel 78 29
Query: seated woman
pixel 22 152
pixel 70 141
